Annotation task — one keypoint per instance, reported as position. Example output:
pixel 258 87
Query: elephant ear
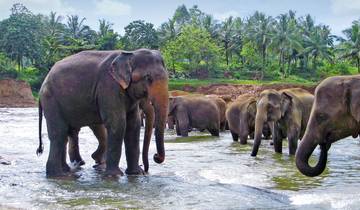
pixel 286 103
pixel 172 104
pixel 120 69
pixel 354 104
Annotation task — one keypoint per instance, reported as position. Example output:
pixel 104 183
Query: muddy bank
pixel 234 91
pixel 16 93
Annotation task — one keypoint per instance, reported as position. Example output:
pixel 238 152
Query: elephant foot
pixel 77 164
pixel 98 157
pixel 243 141
pixel 137 171
pixel 113 172
pixel 61 175
pixel 66 168
pixel 99 166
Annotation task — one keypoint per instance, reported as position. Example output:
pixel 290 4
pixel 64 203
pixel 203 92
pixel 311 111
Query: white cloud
pixel 112 8
pixel 36 6
pixel 223 16
pixel 345 7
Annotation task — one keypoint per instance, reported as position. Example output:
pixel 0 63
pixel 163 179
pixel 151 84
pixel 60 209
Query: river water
pixel 200 172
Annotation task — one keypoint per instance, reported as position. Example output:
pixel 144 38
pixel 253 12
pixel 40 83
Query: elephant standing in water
pixel 195 112
pixel 104 87
pixel 334 116
pixel 287 111
pixel 240 116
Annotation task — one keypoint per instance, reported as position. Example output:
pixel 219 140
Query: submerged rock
pixel 4 162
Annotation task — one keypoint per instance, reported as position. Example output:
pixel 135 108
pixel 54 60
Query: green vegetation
pixel 257 49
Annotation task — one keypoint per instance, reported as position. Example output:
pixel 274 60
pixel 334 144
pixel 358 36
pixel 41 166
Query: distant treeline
pixel 193 43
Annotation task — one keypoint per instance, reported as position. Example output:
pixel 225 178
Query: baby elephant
pixel 241 118
pixel 195 112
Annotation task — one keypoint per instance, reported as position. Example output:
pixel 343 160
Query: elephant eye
pixel 148 78
pixel 320 117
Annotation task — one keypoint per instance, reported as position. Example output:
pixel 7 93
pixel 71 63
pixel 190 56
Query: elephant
pixel 287 111
pixel 174 93
pixel 335 115
pixel 109 92
pixel 221 104
pixel 194 112
pixel 240 116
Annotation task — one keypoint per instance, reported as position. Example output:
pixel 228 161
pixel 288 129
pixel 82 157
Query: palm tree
pixel 319 44
pixel 104 28
pixel 226 35
pixel 286 40
pixel 350 48
pixel 260 28
pixel 76 27
pixel 168 31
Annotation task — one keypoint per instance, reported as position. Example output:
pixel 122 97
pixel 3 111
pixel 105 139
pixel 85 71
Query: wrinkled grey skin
pixel 92 88
pixel 194 112
pixel 288 111
pixel 334 116
pixel 240 116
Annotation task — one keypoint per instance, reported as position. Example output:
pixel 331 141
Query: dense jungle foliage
pixel 193 43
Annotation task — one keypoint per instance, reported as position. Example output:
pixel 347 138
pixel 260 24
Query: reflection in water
pixel 200 172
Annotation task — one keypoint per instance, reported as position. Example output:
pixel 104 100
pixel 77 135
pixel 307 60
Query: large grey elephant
pixel 287 111
pixel 104 87
pixel 195 112
pixel 334 116
pixel 240 116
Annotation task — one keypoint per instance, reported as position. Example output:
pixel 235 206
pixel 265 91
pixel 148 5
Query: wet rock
pixel 4 162
pixel 15 93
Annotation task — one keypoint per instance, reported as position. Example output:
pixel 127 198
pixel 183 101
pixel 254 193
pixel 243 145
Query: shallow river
pixel 200 172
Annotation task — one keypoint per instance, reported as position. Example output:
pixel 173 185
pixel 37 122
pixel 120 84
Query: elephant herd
pixel 105 90
pixel 279 114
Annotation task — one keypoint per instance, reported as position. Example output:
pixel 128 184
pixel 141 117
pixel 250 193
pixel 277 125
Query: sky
pixel 338 14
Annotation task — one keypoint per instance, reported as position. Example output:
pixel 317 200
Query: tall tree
pixel 21 35
pixel 350 47
pixel 286 40
pixel 107 39
pixel 319 44
pixel 139 34
pixel 259 31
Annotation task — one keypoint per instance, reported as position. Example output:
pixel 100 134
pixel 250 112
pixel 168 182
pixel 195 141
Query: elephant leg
pixel 182 123
pixel 235 136
pixel 214 131
pixel 293 136
pixel 56 165
pixel 73 149
pixel 222 126
pixel 99 155
pixel 132 144
pixel 277 138
pixel 243 137
pixel 170 122
pixel 177 129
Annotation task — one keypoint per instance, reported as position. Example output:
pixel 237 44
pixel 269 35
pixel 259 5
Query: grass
pixel 178 84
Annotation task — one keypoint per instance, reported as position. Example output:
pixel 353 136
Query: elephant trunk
pixel 159 97
pixel 259 123
pixel 148 110
pixel 306 148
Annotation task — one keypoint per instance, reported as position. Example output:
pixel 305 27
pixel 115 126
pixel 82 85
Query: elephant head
pixel 334 115
pixel 142 74
pixel 268 109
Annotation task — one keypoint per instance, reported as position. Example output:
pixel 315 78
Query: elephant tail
pixel 40 149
